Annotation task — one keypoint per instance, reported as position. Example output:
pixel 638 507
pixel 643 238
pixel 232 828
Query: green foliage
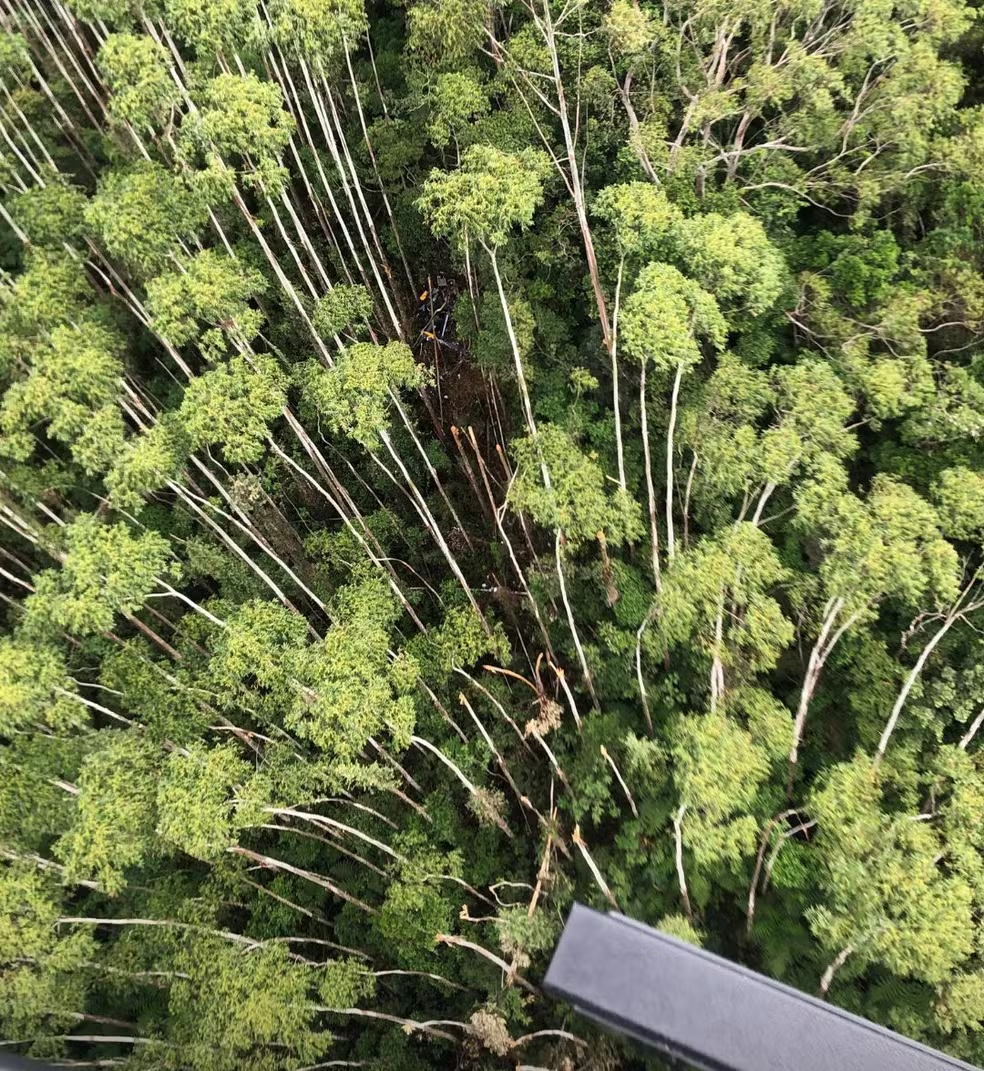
pixel 114 12
pixel 232 406
pixel 727 261
pixel 960 498
pixel 14 52
pixel 194 799
pixel 113 827
pixel 397 146
pixel 51 291
pixel 681 928
pixel 211 289
pixel 42 980
pixel 443 33
pixel 147 691
pixel 342 308
pixel 345 983
pixel 960 1006
pixel 803 437
pixel 731 257
pixel 233 1005
pixel 456 99
pixel 105 570
pixel 35 689
pixel 254 653
pixel 336 692
pixel 136 71
pixel 491 193
pixel 577 502
pixel 139 214
pixel 72 388
pixel 351 688
pixel 889 544
pixel 242 118
pixel 717 770
pixel 459 642
pixel 666 315
pixel 492 344
pixel 50 215
pixel 353 395
pixel 860 267
pixel 522 934
pixel 716 598
pixel 319 31
pixel 885 896
pixel 629 29
pixel 416 907
pixel 642 218
pixel 213 25
pixel 146 463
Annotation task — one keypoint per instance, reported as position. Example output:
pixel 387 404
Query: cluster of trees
pixel 338 659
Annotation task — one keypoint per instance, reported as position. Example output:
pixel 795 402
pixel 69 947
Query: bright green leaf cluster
pixel 489 195
pixel 211 289
pixel 577 502
pixel 140 214
pixel 136 71
pixel 105 570
pixel 354 396
pixel 232 406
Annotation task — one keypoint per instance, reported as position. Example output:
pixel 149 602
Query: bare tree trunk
pixel 593 867
pixel 616 405
pixel 681 876
pixel 969 735
pixel 753 886
pixel 671 428
pixel 650 488
pixel 582 658
pixel 818 655
pixel 372 155
pixel 576 181
pixel 835 965
pixel 763 498
pixel 638 662
pixel 517 356
pixel 951 619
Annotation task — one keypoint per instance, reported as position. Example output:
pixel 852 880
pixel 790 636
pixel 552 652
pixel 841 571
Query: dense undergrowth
pixel 457 457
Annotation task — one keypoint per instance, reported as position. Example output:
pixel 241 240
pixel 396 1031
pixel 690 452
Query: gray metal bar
pixel 691 1005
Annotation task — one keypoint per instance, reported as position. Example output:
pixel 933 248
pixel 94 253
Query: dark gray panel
pixel 696 1006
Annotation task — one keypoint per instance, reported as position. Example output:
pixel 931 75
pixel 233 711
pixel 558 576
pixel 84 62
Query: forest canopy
pixel 459 457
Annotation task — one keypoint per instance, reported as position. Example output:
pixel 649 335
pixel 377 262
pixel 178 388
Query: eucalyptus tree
pixel 296 545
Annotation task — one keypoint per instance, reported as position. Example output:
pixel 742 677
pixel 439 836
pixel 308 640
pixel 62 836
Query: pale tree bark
pixel 474 791
pixel 969 735
pixel 490 743
pixel 957 613
pixel 650 487
pixel 593 867
pixel 616 405
pixel 567 165
pixel 517 356
pixel 670 431
pixel 409 1026
pixel 827 640
pixel 643 695
pixel 678 854
pixel 576 185
pixel 372 156
pixel 582 657
pixel 759 858
pixel 835 965
pixel 271 863
pixel 621 780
